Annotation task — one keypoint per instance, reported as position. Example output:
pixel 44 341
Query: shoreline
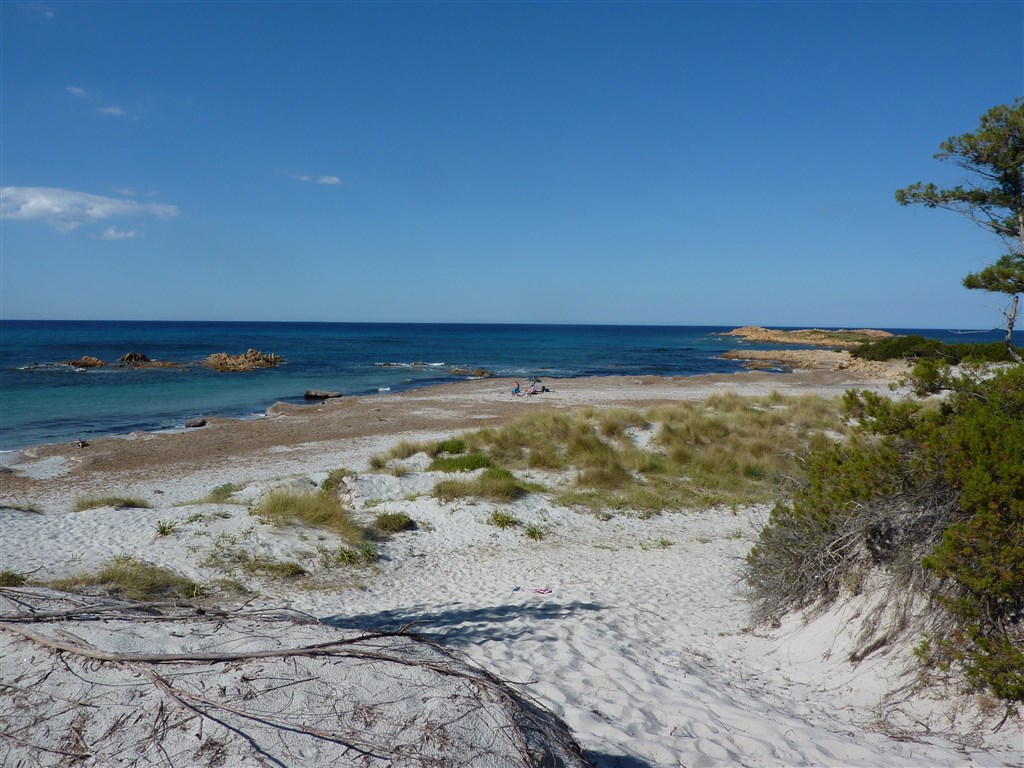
pixel 225 445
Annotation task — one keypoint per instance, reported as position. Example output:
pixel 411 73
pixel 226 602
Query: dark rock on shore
pixel 133 358
pixel 320 394
pixel 195 423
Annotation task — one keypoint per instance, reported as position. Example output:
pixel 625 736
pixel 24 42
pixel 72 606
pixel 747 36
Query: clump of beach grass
pixel 725 450
pixel 501 519
pixel 133 579
pixel 467 462
pixel 315 509
pixel 10 578
pixel 117 502
pixel 534 532
pixel 221 494
pixel 334 479
pixel 393 522
pixel 494 483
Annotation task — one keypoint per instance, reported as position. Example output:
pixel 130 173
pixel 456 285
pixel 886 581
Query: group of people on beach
pixel 533 389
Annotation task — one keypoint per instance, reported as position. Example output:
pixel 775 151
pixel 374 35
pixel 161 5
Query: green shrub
pixel 918 347
pixel 393 522
pixel 534 532
pixel 941 488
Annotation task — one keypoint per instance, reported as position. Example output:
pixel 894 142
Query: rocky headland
pixel 809 336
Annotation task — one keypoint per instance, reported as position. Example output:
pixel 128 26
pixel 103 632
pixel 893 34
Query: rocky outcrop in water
pixel 250 361
pixel 809 336
pixel 87 362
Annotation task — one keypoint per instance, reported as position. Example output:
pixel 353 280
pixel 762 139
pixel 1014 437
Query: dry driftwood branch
pixel 498 719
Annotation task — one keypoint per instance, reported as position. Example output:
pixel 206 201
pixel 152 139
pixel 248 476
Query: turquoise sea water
pixel 43 401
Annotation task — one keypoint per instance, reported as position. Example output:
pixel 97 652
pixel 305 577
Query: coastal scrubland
pixel 568 530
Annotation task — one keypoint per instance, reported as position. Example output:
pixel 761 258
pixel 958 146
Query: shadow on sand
pixel 456 623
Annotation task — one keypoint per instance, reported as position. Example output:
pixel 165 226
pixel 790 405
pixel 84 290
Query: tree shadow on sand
pixel 603 760
pixel 456 623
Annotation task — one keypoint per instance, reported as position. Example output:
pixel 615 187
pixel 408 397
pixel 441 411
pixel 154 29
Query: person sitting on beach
pixel 532 389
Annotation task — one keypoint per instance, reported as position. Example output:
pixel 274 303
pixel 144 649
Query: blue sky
pixel 648 163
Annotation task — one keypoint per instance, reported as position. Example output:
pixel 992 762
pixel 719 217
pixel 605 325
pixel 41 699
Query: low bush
pixel 918 347
pixel 933 495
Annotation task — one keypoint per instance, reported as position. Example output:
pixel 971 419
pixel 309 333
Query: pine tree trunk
pixel 1011 320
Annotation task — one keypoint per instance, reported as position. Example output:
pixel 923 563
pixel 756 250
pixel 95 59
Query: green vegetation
pixel 463 463
pixel 334 480
pixel 393 522
pixel 314 509
pixel 501 519
pixel 133 579
pixel 920 348
pixel 992 199
pixel 534 532
pixel 725 450
pixel 935 496
pixel 221 494
pixel 164 527
pixel 117 502
pixel 494 483
pixel 452 446
pixel 12 578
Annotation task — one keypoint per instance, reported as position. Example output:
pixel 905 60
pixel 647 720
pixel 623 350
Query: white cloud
pixel 39 10
pixel 78 93
pixel 113 233
pixel 321 179
pixel 115 111
pixel 66 209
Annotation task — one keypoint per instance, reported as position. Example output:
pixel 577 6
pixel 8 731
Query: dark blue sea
pixel 43 401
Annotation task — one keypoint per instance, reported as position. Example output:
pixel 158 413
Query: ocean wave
pixel 410 365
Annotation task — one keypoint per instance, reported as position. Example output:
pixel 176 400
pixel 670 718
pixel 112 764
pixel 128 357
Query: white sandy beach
pixel 635 632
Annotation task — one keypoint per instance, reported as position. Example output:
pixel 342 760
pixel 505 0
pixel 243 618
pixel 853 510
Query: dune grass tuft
pixel 133 579
pixel 12 578
pixel 393 522
pixel 726 449
pixel 314 509
pixel 467 462
pixel 117 502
